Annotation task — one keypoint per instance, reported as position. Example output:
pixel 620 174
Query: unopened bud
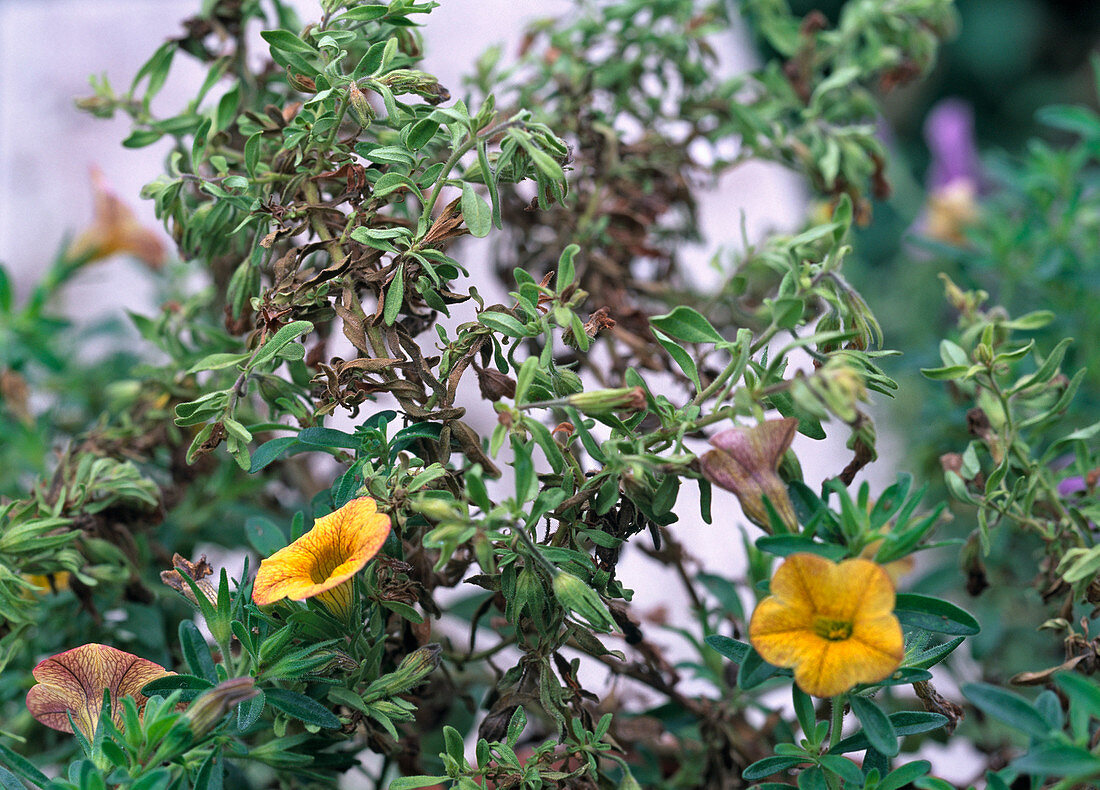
pixel 433 508
pixel 603 401
pixel 580 599
pixel 300 82
pixel 364 113
pixel 209 709
pixel 412 671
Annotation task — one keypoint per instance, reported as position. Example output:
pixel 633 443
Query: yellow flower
pixel 115 229
pixel 322 562
pixel 833 623
pixel 72 683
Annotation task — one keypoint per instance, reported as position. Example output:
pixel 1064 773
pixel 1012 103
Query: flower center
pixel 833 630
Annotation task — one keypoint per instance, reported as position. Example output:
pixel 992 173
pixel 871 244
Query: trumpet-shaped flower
pixel 323 561
pixel 832 623
pixel 72 683
pixel 746 462
pixel 115 229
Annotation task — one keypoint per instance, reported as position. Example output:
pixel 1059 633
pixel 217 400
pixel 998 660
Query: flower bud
pixel 746 462
pixel 364 113
pixel 300 82
pixel 209 709
pixel 413 670
pixel 580 599
pixel 603 401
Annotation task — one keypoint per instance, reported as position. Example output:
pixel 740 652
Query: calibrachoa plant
pixel 455 616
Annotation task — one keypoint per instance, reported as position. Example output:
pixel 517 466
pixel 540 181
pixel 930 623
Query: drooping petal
pixel 74 681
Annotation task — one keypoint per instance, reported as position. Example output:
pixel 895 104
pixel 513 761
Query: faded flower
pixel 73 683
pixel 746 462
pixel 115 229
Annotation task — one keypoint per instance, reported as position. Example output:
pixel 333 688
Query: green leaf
pixel 476 212
pixel 725 591
pixel 162 687
pixel 301 707
pixel 196 652
pixel 395 296
pixel 906 722
pixel 934 655
pixel 329 437
pixel 1058 759
pixel 286 41
pixel 755 670
pixel 934 614
pixel 503 323
pixel 876 725
pixel 249 711
pixel 286 335
pixel 421 133
pixel 1008 707
pixel 804 710
pixel 411 782
pixel 770 765
pixel 680 357
pixel 140 138
pixel 264 536
pixel 365 13
pixel 684 323
pixel 905 775
pixel 271 451
pixel 732 649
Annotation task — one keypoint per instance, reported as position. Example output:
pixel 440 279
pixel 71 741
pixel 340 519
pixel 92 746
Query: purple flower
pixel 1072 485
pixel 949 132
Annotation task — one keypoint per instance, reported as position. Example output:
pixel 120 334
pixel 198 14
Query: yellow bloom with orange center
pixel 833 623
pixel 323 561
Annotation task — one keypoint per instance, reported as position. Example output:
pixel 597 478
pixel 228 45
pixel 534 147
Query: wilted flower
pixel 832 623
pixel 746 463
pixel 115 229
pixel 198 571
pixel 73 683
pixel 322 562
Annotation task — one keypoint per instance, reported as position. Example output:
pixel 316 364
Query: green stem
pixel 836 722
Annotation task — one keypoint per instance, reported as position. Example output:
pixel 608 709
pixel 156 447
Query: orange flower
pixel 73 682
pixel 323 561
pixel 115 229
pixel 833 623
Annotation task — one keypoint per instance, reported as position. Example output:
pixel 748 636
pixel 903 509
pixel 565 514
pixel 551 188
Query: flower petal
pixel 74 681
pixel 834 667
pixel 745 463
pixel 337 548
pixel 858 594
